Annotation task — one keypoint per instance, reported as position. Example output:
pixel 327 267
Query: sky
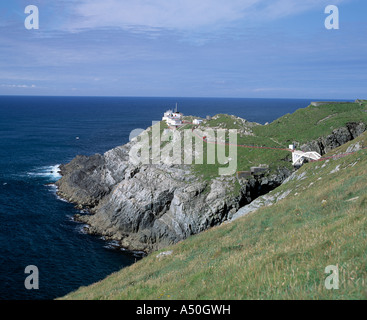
pixel 184 48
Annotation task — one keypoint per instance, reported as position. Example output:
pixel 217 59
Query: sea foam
pixel 51 172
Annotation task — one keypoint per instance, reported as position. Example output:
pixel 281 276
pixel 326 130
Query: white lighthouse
pixel 173 118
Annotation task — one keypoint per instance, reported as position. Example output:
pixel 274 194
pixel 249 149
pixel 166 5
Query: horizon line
pixel 176 97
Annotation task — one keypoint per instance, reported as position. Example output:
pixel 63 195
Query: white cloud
pixel 183 14
pixel 18 86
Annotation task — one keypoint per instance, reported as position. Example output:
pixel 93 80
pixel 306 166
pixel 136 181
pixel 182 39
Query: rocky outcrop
pixel 147 207
pixel 86 180
pixel 337 138
pixel 156 205
pixel 263 201
pixel 151 206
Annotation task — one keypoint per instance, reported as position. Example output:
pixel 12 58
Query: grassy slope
pixel 312 122
pixel 302 126
pixel 277 252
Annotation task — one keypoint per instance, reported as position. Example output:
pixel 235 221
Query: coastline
pixel 111 244
pixel 147 207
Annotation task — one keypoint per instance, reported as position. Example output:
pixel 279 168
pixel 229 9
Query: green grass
pixel 225 121
pixel 302 126
pixel 277 252
pixel 312 122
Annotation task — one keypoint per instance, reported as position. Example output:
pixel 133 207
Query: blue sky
pixel 186 48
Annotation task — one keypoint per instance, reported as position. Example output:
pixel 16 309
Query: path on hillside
pixel 342 155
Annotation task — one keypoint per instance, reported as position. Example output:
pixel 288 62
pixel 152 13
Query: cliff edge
pixel 148 207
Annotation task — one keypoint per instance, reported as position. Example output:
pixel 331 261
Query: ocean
pixel 39 133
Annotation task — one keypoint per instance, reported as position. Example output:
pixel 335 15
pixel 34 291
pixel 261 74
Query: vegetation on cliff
pixel 316 218
pixel 303 126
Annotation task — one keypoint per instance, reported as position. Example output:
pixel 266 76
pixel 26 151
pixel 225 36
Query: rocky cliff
pixel 336 139
pixel 147 207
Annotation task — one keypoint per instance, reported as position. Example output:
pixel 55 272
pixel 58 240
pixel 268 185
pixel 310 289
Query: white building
pixel 167 115
pixel 299 157
pixel 197 121
pixel 173 118
pixel 174 122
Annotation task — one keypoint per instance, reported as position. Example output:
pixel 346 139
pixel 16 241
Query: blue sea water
pixel 39 133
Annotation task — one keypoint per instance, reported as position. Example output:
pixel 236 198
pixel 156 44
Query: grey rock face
pixel 337 138
pixel 86 180
pixel 354 148
pixel 147 207
pixel 81 182
pixel 263 201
